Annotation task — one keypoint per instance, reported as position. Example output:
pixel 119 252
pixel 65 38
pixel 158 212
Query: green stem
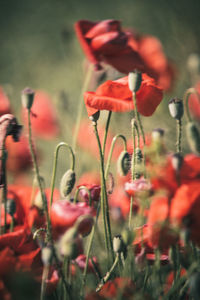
pixel 111 151
pixel 106 132
pixel 12 223
pixel 186 101
pixel 81 104
pixel 44 278
pixel 137 116
pixel 62 144
pixel 77 193
pixel 104 198
pixel 179 135
pixel 108 274
pixel 4 158
pixel 36 169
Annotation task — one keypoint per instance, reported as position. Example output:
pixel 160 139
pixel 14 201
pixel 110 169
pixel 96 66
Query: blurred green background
pixel 38 48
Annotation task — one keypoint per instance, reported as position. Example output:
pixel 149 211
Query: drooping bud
pixel 67 245
pixel 95 117
pixel 123 163
pixel 176 108
pixel 138 163
pixel 46 256
pixel 67 183
pixel 193 137
pixel 134 80
pixel 138 155
pixel 11 207
pixel 177 161
pixel 27 98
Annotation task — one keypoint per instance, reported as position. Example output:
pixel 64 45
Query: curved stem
pixel 104 197
pixel 62 144
pixel 37 174
pixel 81 104
pixel 179 135
pixel 188 92
pixel 111 151
pixel 106 132
pixel 77 193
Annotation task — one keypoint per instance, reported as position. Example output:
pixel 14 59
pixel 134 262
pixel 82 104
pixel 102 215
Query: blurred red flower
pixel 43 119
pixel 4 103
pixel 116 96
pixel 185 209
pixel 194 103
pixel 160 232
pixel 105 41
pixel 19 157
pixel 64 214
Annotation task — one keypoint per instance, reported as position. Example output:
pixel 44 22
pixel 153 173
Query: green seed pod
pixel 118 244
pixel 193 137
pixel 177 161
pixel 157 134
pixel 176 108
pixel 123 163
pixel 134 80
pixel 95 117
pixel 67 183
pixel 11 207
pixel 27 98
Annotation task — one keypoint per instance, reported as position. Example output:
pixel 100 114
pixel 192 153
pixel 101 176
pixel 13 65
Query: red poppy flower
pixel 116 96
pixel 161 233
pixel 64 214
pixel 105 41
pixel 194 103
pixel 19 157
pixel 94 190
pixel 185 209
pixel 4 103
pixel 124 286
pixel 43 119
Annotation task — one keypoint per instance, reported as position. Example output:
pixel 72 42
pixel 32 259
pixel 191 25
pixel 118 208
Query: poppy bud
pixel 118 244
pixel 38 200
pixel 193 63
pixel 95 117
pixel 134 80
pixel 11 207
pixel 157 134
pixel 138 155
pixel 127 236
pixel 27 98
pixel 176 108
pixel 193 137
pixel 68 246
pixel 46 256
pixel 177 161
pixel 123 163
pixel 67 183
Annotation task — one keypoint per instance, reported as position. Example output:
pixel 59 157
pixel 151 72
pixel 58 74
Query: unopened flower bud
pixel 11 207
pixel 127 236
pixel 67 183
pixel 95 117
pixel 193 63
pixel 193 137
pixel 38 200
pixel 177 161
pixel 176 108
pixel 27 98
pixel 138 155
pixel 134 80
pixel 157 134
pixel 46 256
pixel 118 244
pixel 68 246
pixel 123 163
